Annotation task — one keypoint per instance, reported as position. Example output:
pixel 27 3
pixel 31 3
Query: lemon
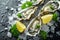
pixel 20 26
pixel 47 18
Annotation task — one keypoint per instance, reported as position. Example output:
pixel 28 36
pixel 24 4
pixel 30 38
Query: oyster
pixel 49 7
pixel 26 13
pixel 34 27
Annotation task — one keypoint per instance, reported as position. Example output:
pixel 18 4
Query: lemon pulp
pixel 20 26
pixel 47 18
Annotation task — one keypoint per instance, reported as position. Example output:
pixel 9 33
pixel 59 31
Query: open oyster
pixel 26 13
pixel 51 6
pixel 34 27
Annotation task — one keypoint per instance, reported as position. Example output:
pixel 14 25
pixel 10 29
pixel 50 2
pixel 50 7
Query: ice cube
pixel 58 33
pixel 9 34
pixel 12 9
pixel 45 28
pixel 52 29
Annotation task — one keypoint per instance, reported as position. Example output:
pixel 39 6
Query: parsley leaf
pixel 43 34
pixel 27 4
pixel 37 25
pixel 19 15
pixel 55 15
pixel 52 7
pixel 14 31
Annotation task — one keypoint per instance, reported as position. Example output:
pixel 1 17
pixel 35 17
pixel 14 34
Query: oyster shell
pixel 51 6
pixel 32 29
pixel 38 1
pixel 26 13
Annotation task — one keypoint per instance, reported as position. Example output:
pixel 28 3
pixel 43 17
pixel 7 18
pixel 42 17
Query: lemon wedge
pixel 20 26
pixel 47 18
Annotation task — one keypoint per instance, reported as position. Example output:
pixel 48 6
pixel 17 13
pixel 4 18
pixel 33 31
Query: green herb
pixel 18 38
pixel 37 25
pixel 27 4
pixel 55 15
pixel 52 7
pixel 19 15
pixel 43 34
pixel 14 31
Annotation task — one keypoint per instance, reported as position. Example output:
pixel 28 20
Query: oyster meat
pixel 34 27
pixel 26 14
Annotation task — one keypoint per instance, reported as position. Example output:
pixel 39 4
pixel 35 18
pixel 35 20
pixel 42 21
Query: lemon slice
pixel 47 18
pixel 20 26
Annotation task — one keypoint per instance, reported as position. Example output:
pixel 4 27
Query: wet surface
pixel 53 34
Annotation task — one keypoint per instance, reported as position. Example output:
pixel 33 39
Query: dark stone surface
pixel 4 19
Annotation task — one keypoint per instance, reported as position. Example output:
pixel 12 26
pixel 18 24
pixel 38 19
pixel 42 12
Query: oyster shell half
pixel 51 6
pixel 26 13
pixel 34 27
